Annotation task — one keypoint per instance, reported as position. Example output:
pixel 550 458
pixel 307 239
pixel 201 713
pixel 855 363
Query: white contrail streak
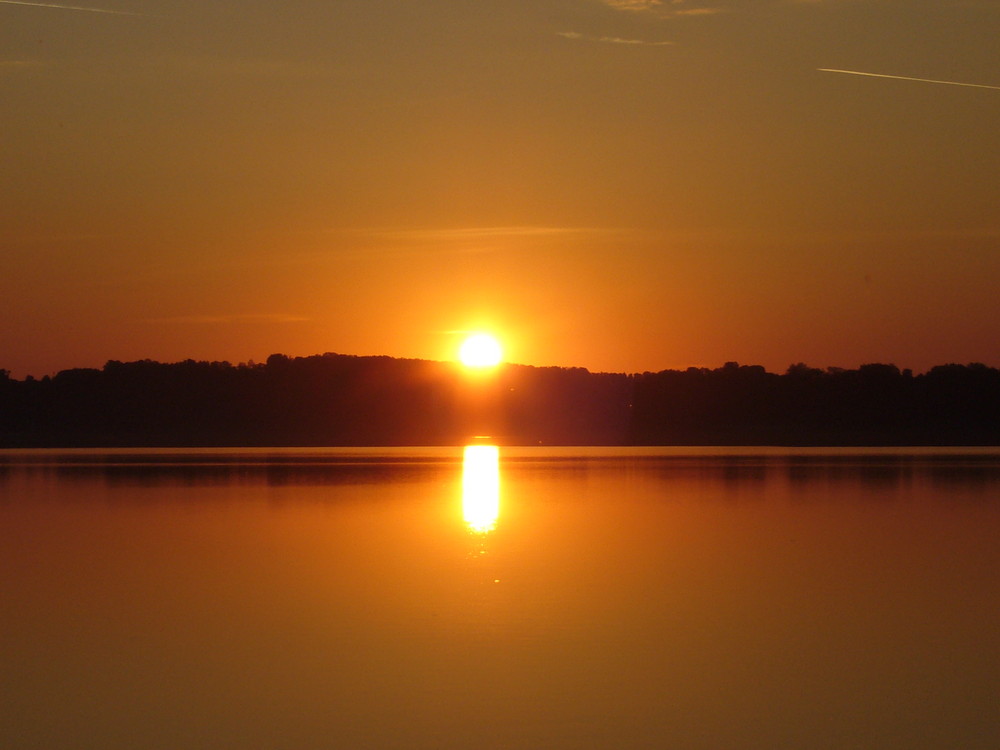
pixel 907 78
pixel 70 7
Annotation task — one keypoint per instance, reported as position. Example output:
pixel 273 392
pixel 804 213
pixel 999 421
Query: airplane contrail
pixel 70 7
pixel 907 78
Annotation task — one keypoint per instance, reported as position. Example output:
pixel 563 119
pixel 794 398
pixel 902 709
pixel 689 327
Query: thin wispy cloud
pixel 908 78
pixel 610 39
pixel 72 7
pixel 52 238
pixel 475 234
pixel 663 8
pixel 274 69
pixel 229 319
pixel 634 4
pixel 21 64
pixel 467 240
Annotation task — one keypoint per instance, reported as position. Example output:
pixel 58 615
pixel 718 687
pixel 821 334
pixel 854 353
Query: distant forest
pixel 337 400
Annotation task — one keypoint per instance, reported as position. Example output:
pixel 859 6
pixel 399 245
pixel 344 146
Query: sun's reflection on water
pixel 481 487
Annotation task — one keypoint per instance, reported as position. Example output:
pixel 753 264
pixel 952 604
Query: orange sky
pixel 623 185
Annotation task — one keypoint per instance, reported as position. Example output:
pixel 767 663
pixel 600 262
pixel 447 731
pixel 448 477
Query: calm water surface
pixel 531 598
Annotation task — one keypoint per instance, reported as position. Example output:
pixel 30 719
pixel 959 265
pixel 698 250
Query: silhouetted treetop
pixel 337 399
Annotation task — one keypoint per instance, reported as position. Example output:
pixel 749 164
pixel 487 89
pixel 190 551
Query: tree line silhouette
pixel 337 400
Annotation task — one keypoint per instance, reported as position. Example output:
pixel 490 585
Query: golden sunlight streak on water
pixel 481 487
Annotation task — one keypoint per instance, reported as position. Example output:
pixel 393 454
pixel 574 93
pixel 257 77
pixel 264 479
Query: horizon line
pixel 734 364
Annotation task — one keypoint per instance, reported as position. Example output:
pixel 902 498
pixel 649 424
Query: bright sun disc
pixel 480 350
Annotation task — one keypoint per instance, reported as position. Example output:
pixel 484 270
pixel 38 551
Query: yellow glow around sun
pixel 480 350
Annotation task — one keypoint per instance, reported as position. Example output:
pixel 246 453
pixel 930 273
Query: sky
pixel 622 185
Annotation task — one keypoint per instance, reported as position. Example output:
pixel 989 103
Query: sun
pixel 480 350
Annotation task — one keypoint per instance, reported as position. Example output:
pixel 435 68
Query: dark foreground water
pixel 572 598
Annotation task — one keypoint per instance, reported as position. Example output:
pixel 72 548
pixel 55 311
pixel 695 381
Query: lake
pixel 512 598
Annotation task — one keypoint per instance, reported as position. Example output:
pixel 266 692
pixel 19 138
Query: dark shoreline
pixel 342 400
